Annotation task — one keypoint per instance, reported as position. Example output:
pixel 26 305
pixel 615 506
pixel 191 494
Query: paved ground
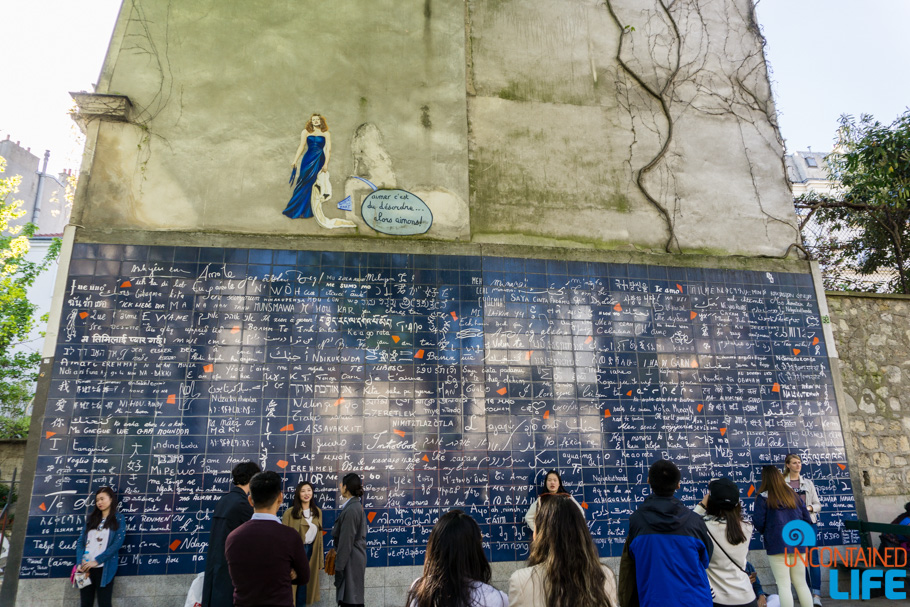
pixel 879 602
pixel 882 602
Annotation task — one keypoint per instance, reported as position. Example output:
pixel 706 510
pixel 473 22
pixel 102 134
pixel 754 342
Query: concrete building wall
pixel 578 124
pixel 41 292
pixel 53 215
pixel 20 161
pixel 623 124
pixel 808 172
pixel 217 115
pixel 583 123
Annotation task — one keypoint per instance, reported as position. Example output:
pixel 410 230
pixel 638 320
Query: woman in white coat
pixel 723 515
pixel 552 485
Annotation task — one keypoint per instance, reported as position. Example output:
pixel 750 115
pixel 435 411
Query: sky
pixel 833 57
pixel 49 48
pixel 828 57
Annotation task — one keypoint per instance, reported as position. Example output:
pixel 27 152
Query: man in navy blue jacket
pixel 665 559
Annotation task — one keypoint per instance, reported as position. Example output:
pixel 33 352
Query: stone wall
pixel 217 113
pixel 12 454
pixel 872 333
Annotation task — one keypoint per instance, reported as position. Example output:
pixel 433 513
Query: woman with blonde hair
pixel 305 517
pixel 805 489
pixel 776 505
pixel 564 569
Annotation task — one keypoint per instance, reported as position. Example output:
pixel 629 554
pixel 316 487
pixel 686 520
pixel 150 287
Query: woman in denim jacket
pixel 97 548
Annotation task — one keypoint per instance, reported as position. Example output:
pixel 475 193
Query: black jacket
pixel 232 511
pixel 665 559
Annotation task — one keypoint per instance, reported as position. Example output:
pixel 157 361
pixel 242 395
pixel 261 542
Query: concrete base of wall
pixel 386 586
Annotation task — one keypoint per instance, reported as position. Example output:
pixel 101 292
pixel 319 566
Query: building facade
pixel 447 245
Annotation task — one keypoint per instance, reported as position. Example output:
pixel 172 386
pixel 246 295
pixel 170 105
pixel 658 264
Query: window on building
pixel 811 162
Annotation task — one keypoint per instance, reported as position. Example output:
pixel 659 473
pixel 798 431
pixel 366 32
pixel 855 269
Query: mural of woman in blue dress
pixel 312 158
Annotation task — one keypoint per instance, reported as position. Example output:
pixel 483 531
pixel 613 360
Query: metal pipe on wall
pixel 36 211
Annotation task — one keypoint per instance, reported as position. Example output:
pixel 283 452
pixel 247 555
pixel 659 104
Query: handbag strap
pixel 724 551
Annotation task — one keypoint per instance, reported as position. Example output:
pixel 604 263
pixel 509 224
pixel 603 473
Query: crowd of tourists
pixel 673 554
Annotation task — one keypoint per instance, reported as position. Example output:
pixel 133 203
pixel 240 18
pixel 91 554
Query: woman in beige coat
pixel 564 567
pixel 306 518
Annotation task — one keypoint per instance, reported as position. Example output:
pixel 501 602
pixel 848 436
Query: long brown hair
pixel 573 575
pixel 733 520
pixel 780 495
pixel 297 508
pixel 310 127
pixel 94 519
pixel 454 558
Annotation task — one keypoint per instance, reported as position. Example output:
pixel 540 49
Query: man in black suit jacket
pixel 264 556
pixel 233 510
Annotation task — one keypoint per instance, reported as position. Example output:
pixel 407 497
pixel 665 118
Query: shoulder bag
pixel 725 552
pixel 330 562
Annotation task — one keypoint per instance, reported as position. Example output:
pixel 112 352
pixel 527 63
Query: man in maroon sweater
pixel 262 553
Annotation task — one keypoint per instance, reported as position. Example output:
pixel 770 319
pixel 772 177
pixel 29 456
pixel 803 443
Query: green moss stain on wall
pixel 541 91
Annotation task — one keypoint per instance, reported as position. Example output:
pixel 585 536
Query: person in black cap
pixel 722 512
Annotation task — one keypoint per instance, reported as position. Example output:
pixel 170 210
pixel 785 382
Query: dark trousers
pixel 94 590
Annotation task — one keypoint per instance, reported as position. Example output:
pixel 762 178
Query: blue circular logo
pixel 799 533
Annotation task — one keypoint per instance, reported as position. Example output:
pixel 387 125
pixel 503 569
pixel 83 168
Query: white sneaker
pixel 817 600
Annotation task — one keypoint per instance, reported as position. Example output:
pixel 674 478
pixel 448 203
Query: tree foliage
pixel 18 367
pixel 5 496
pixel 869 221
